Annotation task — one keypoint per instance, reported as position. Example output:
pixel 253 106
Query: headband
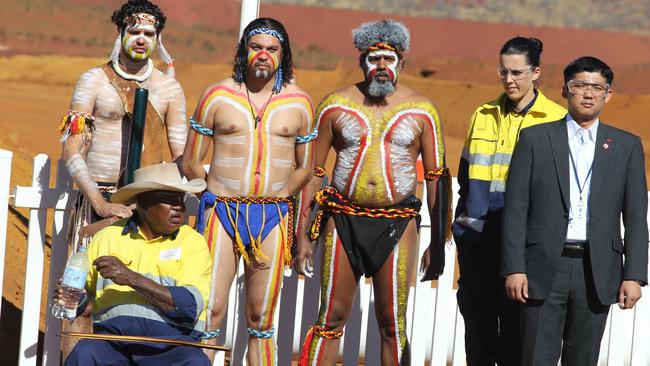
pixel 269 31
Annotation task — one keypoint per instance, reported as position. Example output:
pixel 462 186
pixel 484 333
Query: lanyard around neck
pixel 581 186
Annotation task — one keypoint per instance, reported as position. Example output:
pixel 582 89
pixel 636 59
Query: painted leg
pixel 263 286
pixel 224 269
pixel 338 286
pixel 391 285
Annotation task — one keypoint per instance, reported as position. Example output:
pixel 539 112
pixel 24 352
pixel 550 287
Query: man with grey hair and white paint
pixel 95 130
pixel 368 216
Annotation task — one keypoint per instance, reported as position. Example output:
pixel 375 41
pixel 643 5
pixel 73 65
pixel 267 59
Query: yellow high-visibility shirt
pixel 176 261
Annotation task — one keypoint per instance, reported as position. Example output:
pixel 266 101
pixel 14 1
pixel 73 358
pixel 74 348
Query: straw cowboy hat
pixel 165 177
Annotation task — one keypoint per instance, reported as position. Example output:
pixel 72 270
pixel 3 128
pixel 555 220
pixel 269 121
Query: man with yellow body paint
pixel 368 220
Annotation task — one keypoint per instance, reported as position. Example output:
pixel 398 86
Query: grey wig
pixel 388 31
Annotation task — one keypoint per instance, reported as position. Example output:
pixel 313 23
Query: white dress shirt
pixel 582 144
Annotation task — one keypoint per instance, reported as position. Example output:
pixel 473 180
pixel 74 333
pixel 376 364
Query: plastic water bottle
pixel 74 281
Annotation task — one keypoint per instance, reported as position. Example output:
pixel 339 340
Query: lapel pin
pixel 607 142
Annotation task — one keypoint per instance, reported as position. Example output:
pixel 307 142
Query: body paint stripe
pixel 366 138
pixel 394 302
pixel 385 148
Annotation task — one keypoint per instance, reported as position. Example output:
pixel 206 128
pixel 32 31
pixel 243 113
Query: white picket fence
pixel 435 327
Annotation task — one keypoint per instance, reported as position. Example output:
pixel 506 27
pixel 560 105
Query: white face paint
pixel 261 74
pixel 372 62
pixel 139 40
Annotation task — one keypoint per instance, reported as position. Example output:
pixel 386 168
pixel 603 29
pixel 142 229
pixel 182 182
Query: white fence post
pixel 38 199
pixel 5 177
pixel 250 10
pixel 58 257
pixel 34 266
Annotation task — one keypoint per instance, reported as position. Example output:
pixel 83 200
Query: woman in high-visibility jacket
pixel 491 320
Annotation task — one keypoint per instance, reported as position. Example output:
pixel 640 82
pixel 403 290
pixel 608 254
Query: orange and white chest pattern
pixel 260 140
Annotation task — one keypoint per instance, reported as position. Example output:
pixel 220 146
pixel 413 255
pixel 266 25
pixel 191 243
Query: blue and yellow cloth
pixel 491 139
pixel 248 221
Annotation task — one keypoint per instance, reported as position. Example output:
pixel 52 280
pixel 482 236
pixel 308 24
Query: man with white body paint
pixel 96 127
pixel 368 220
pixel 259 124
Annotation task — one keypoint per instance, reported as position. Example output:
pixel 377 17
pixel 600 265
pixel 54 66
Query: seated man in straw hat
pixel 150 276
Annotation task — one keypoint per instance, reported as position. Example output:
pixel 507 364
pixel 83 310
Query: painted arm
pixel 305 250
pixel 303 153
pixel 76 140
pixel 198 144
pixel 176 120
pixel 438 183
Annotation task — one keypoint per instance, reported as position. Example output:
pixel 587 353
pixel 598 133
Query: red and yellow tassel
pixel 74 123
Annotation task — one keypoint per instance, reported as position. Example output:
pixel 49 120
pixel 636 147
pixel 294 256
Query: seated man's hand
pixel 111 268
pixel 58 292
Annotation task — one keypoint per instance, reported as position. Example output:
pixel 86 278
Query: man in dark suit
pixel 563 256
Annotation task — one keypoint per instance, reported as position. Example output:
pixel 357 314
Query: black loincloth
pixel 369 241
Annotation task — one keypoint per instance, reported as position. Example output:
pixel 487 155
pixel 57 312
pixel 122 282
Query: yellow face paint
pixel 133 38
pixel 253 56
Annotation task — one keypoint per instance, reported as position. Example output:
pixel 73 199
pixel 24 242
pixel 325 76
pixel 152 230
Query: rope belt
pixel 330 200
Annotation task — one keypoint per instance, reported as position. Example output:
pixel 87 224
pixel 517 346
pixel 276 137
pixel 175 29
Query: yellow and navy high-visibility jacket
pixel 181 262
pixel 483 170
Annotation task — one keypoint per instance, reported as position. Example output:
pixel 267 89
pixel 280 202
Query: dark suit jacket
pixel 536 213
